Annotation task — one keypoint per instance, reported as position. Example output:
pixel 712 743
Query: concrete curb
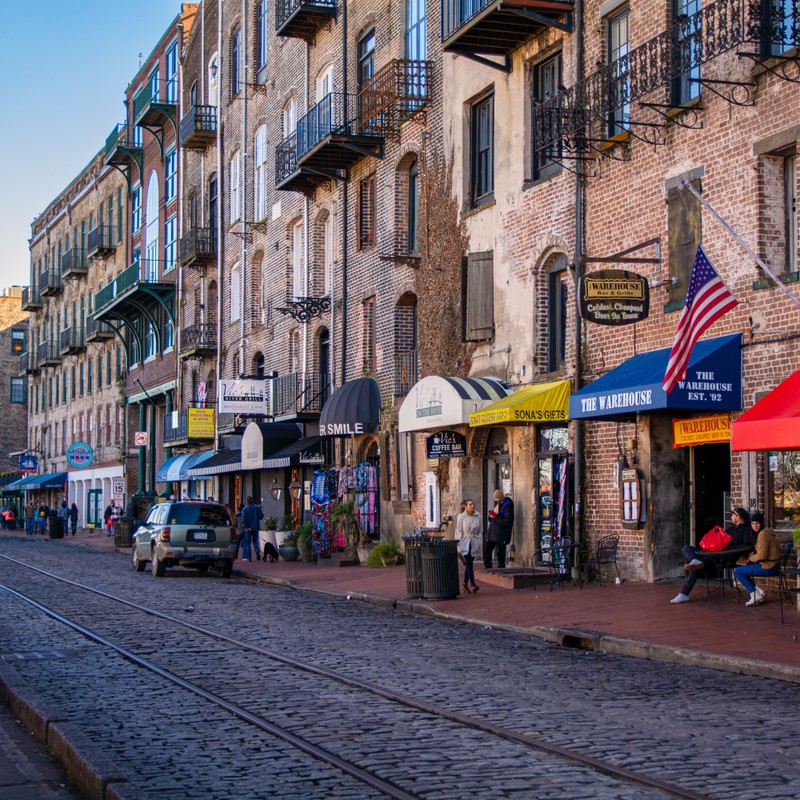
pixel 88 766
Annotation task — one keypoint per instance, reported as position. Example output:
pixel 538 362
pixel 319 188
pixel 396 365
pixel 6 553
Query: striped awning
pixel 437 402
pixel 219 463
pixel 177 468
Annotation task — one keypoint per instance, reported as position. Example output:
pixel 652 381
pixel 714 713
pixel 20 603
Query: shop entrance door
pixel 94 510
pixel 710 487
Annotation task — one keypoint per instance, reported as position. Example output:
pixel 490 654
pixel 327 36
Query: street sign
pixel 140 438
pixel 28 464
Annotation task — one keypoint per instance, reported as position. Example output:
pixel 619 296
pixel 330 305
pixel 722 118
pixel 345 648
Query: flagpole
pixel 686 185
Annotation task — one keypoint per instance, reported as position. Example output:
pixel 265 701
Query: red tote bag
pixel 715 540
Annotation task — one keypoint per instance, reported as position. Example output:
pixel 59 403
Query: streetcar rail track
pixel 606 767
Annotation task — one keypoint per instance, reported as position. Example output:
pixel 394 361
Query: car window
pixel 152 517
pixel 198 514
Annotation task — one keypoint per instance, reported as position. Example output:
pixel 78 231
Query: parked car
pixel 191 534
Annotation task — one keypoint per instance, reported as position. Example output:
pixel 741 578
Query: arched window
pixel 260 175
pixel 290 117
pixel 151 231
pixel 258 365
pixel 236 61
pixel 213 80
pixel 297 259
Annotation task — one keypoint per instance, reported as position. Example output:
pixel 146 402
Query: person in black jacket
pixel 741 536
pixel 501 523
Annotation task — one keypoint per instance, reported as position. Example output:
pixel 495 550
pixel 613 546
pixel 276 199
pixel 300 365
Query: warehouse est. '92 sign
pixel 80 454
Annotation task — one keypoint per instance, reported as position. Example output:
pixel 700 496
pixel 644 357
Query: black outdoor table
pixel 723 561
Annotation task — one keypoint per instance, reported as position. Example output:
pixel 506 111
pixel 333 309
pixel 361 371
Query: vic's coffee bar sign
pixel 614 297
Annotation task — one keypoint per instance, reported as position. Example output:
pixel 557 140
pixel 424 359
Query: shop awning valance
pixel 50 480
pixel 305 452
pixel 224 461
pixel 17 484
pixel 438 402
pixel 261 439
pixel 713 383
pixel 352 409
pixel 177 468
pixel 539 403
pixel 773 423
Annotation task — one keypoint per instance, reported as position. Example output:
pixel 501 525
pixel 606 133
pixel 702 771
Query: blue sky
pixel 65 67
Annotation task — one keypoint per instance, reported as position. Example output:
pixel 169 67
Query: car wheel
pixel 158 566
pixel 202 569
pixel 138 564
pixel 227 569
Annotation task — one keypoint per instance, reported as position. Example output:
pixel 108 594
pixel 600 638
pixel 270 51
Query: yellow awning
pixel 542 402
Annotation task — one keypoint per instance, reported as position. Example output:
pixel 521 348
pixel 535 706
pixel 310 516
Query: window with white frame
pixel 297 259
pixel 171 176
pixel 328 248
pixel 325 82
pixel 233 188
pixel 168 333
pixel 236 61
pixel 170 243
pixel 150 348
pixel 260 175
pixel 290 117
pixel 236 288
pixel 136 208
pixel 171 61
pixel 152 231
pixel 213 80
pixel 18 390
pixel 262 34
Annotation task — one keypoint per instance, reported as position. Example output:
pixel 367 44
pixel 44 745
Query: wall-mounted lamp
pixel 296 489
pixel 673 281
pixel 276 490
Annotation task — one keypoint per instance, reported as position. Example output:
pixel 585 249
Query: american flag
pixel 707 300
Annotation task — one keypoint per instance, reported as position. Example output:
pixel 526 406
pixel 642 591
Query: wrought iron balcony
pixel 139 286
pixel 199 340
pixel 155 103
pixel 303 18
pixel 97 331
pixel 100 241
pixel 73 263
pixel 480 28
pixel 47 355
pixel 395 93
pixel 330 138
pixel 300 393
pixel 288 175
pixel 123 148
pixel 31 300
pixel 50 282
pixel 177 428
pixel 72 340
pixel 28 364
pixel 405 371
pixel 198 127
pixel 563 124
pixel 198 247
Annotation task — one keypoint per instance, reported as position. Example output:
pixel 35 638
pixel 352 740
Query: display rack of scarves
pixel 320 514
pixel 367 497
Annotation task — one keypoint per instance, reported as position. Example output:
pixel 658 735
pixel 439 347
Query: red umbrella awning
pixel 773 423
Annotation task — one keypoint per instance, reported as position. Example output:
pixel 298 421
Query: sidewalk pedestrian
pixel 469 530
pixel 108 517
pixel 41 518
pixel 740 533
pixel 73 518
pixel 501 523
pixel 63 513
pixel 30 517
pixel 251 515
pixel 762 563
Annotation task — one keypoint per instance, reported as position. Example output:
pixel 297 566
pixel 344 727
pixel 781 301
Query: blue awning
pixel 17 483
pixel 50 480
pixel 177 468
pixel 713 383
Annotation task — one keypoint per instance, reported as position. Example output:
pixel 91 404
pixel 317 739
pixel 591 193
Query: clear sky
pixel 65 67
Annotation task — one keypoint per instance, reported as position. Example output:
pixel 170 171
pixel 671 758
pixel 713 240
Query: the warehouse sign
pixel 614 297
pixel 701 430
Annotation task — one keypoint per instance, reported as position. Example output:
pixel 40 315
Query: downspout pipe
pixel 217 223
pixel 579 235
pixel 243 51
pixel 345 231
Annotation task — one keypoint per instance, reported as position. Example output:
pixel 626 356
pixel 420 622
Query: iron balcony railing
pixel 198 126
pixel 100 240
pixel 97 330
pixel 405 371
pixel 72 339
pixel 692 41
pixel 198 245
pixel 31 299
pixel 50 281
pixel 300 392
pixel 156 92
pixel 285 158
pixel 73 261
pixel 394 94
pixel 176 426
pixel 143 271
pixel 121 138
pixel 201 336
pixel 23 364
pixel 47 353
pixel 285 9
pixel 336 113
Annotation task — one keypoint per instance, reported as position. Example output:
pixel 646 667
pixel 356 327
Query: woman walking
pixel 73 518
pixel 468 532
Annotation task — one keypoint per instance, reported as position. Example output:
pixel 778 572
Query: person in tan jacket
pixel 764 561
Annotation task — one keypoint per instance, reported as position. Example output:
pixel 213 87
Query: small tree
pixel 344 520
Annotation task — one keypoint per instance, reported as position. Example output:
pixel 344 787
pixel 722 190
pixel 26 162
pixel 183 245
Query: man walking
pixel 30 515
pixel 251 515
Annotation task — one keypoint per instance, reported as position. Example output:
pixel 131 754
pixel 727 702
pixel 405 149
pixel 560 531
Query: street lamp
pixel 296 489
pixel 276 489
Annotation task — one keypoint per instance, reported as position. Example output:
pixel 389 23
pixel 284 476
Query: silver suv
pixel 188 534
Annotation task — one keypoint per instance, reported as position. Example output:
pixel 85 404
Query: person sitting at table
pixel 764 561
pixel 696 559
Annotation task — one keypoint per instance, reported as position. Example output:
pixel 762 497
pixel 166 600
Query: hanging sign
pixel 243 396
pixel 614 297
pixel 701 430
pixel 28 464
pixel 80 454
pixel 200 423
pixel 446 444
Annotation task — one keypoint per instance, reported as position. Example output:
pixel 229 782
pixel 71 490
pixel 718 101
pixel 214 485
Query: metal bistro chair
pixel 785 572
pixel 603 554
pixel 558 559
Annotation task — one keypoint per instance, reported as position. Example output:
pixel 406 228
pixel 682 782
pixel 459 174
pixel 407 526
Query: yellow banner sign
pixel 200 423
pixel 701 430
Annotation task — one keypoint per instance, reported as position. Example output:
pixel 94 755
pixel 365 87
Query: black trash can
pixel 413 552
pixel 123 532
pixel 440 569
pixel 55 527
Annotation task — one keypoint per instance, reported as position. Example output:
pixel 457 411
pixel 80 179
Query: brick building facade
pixel 14 397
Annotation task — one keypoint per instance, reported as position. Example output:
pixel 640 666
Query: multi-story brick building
pixel 73 364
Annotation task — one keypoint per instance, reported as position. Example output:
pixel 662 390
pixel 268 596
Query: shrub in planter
pixel 385 554
pixel 304 541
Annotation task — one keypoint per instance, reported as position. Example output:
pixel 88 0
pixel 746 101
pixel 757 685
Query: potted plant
pixel 286 525
pixel 343 520
pixel 288 547
pixel 304 542
pixel 385 554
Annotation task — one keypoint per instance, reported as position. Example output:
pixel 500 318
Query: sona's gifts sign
pixel 80 454
pixel 614 297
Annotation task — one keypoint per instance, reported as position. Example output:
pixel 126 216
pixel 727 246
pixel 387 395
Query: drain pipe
pixel 344 206
pixel 579 224
pixel 243 51
pixel 217 224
